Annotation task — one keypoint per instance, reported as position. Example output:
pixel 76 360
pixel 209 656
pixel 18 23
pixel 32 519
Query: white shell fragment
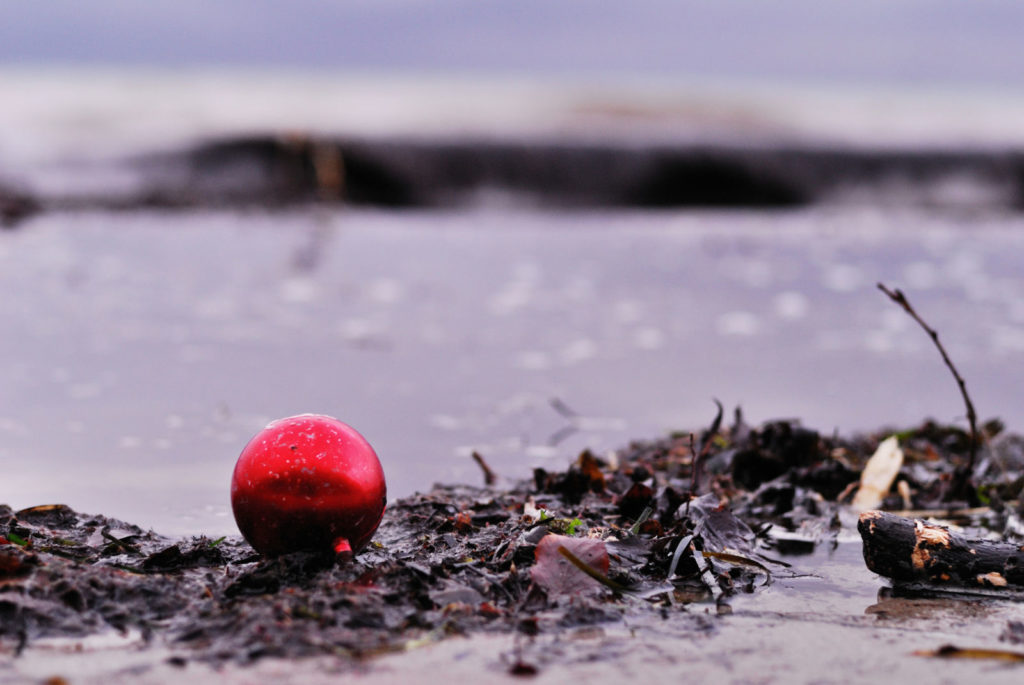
pixel 878 475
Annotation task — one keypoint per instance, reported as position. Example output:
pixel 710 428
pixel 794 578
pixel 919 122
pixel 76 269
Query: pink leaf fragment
pixel 558 576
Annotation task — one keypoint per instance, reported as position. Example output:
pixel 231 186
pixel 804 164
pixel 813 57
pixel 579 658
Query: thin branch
pixel 568 413
pixel 489 477
pixel 899 298
pixel 591 571
pixel 563 408
pixel 699 453
pixel 694 474
pixel 709 436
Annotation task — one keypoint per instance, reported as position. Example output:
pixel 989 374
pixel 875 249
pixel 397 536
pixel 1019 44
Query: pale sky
pixel 885 41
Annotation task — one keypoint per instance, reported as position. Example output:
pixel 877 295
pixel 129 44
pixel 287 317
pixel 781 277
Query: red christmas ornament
pixel 308 482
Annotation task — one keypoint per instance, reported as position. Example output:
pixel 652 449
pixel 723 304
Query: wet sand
pixel 835 626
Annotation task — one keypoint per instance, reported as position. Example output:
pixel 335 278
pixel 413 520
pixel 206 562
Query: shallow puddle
pixel 143 350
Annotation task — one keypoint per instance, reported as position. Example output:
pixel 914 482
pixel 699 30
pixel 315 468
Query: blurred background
pixel 517 228
pixel 906 42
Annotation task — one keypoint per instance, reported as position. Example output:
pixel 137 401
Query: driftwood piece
pixel 911 550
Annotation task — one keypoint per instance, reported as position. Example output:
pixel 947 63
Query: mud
pixel 676 532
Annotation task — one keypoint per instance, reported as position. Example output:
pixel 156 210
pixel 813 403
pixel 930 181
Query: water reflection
pixel 892 605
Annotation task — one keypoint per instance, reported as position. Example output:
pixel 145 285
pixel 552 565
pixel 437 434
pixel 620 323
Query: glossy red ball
pixel 308 482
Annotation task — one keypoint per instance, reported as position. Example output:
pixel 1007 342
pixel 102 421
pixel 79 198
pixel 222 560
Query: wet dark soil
pixel 656 527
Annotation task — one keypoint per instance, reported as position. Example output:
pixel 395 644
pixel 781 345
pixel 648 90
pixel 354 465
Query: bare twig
pixel 701 452
pixel 591 571
pixel 708 437
pixel 899 298
pixel 570 415
pixel 563 408
pixel 489 477
pixel 694 464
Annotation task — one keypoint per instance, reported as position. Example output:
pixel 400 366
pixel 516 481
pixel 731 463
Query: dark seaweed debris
pixel 461 559
pixel 268 170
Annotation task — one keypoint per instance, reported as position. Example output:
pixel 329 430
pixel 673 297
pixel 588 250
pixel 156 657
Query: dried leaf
pixel 738 559
pixel 593 573
pixel 463 522
pixel 591 469
pixel 15 562
pixel 636 500
pixel 558 575
pixel 721 529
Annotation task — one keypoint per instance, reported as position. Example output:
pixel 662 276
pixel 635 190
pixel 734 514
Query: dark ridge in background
pixel 270 171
